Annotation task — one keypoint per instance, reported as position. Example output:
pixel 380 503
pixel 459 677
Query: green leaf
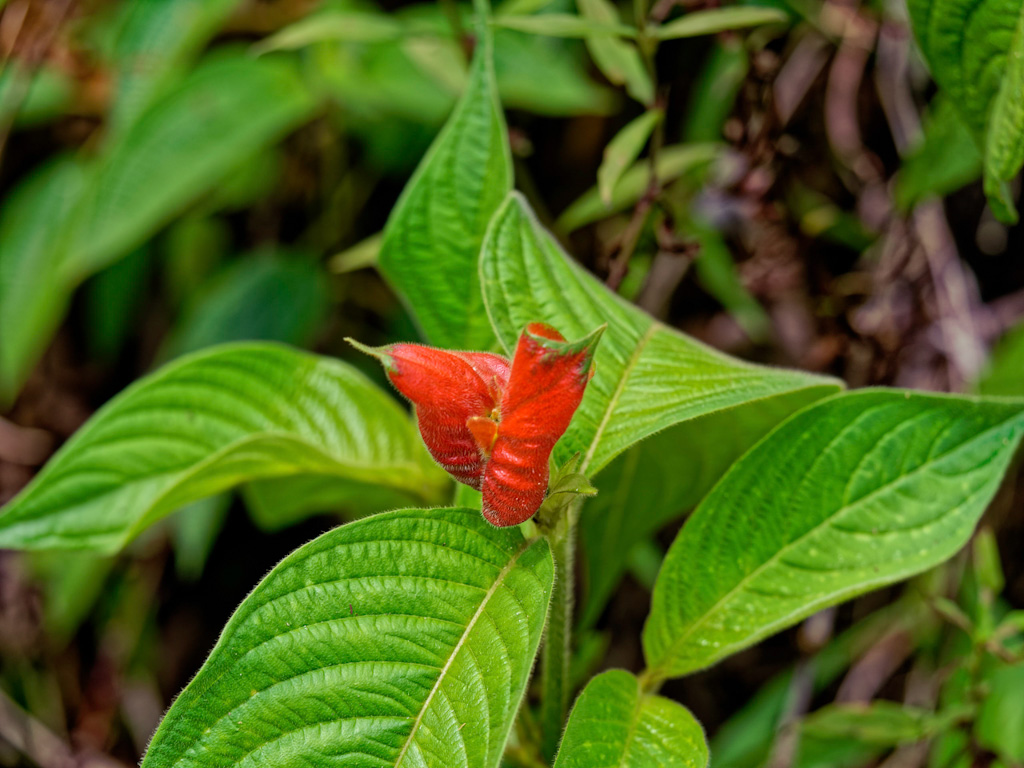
pixel 208 422
pixel 96 214
pixel 432 239
pixel 178 149
pixel 945 160
pixel 885 723
pixel 405 639
pixel 563 25
pixel 619 60
pixel 975 49
pixel 1000 723
pixel 655 482
pixel 672 163
pixel 623 150
pixel 858 491
pixel 647 376
pixel 155 42
pixel 714 91
pixel 1003 376
pixel 716 273
pixel 715 20
pixel 547 77
pixel 615 724
pixel 347 26
pixel 33 294
pixel 261 297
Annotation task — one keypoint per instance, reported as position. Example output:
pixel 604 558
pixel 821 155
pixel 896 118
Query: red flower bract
pixel 548 378
pixel 447 389
pixel 490 426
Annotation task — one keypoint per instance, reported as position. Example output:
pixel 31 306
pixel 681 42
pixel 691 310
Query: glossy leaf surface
pixel 206 423
pixel 404 639
pixel 646 376
pixel 432 239
pixel 614 724
pixel 850 494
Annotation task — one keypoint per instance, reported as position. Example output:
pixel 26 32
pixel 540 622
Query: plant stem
pixel 555 683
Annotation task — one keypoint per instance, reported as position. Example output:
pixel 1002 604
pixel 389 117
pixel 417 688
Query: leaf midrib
pixel 498 581
pixel 659 670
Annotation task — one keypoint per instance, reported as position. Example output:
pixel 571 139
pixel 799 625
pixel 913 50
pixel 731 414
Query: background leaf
pixel 647 376
pixel 624 148
pixel 945 159
pixel 715 20
pixel 672 163
pixel 176 151
pixel 403 639
pixel 563 25
pixel 432 239
pixel 265 296
pixel 97 213
pixel 614 724
pixel 885 723
pixel 206 423
pixel 618 60
pixel 154 43
pixel 975 49
pixel 33 294
pixel 1002 375
pixel 860 490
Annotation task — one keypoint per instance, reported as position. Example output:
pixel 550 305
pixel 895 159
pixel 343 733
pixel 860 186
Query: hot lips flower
pixel 490 425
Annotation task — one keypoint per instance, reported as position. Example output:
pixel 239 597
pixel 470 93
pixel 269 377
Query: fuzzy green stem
pixel 555 683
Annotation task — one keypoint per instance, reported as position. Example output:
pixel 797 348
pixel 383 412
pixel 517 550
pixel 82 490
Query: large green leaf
pixel 658 480
pixel 860 490
pixel 404 639
pixel 432 239
pixel 615 724
pixel 975 49
pixel 206 423
pixel 647 376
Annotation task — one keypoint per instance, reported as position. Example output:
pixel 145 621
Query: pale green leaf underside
pixel 852 493
pixel 614 724
pixel 975 49
pixel 647 376
pixel 432 239
pixel 205 423
pixel 404 639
